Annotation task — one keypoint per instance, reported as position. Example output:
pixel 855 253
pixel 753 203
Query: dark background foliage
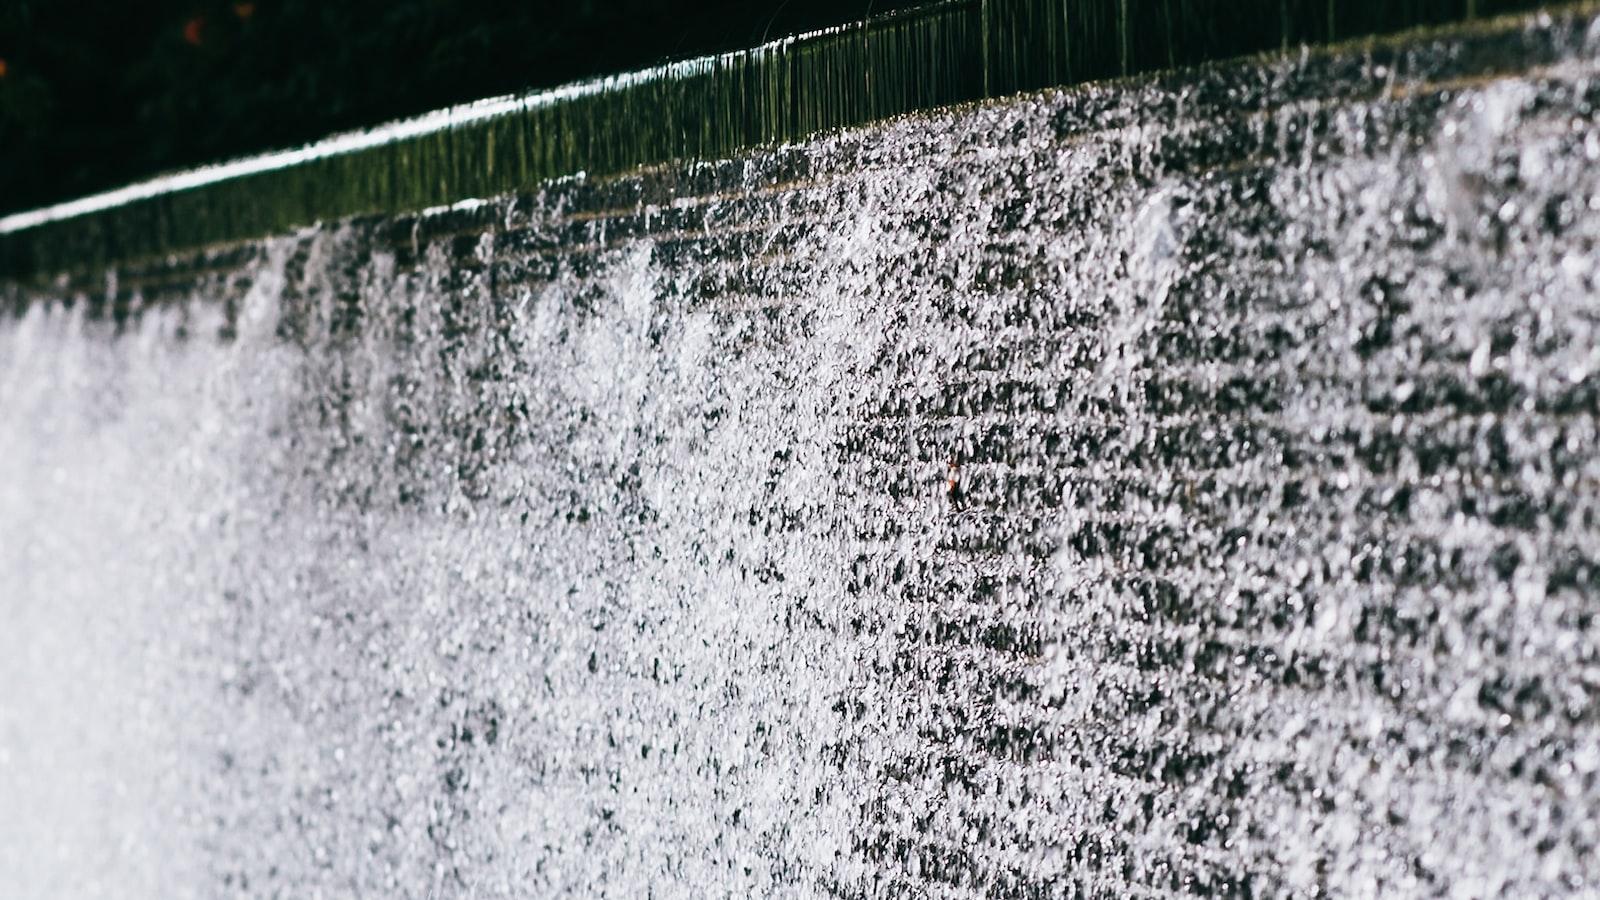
pixel 95 93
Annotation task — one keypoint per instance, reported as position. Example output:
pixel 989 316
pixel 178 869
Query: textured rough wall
pixel 1182 487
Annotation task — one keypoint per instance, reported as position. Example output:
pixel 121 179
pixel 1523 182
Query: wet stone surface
pixel 1186 487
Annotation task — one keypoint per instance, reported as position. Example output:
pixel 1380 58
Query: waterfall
pixel 1184 484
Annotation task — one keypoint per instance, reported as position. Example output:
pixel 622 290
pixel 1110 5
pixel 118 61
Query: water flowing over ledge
pixel 700 109
pixel 1182 487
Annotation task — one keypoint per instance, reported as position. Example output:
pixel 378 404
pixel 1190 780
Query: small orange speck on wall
pixel 194 31
pixel 244 10
pixel 2 67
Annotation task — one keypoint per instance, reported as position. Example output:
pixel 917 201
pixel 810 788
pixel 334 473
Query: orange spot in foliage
pixel 2 67
pixel 194 30
pixel 244 10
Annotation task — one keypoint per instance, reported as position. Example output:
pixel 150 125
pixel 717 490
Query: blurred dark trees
pixel 94 93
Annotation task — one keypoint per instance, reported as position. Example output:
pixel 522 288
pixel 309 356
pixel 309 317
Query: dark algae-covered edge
pixel 707 108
